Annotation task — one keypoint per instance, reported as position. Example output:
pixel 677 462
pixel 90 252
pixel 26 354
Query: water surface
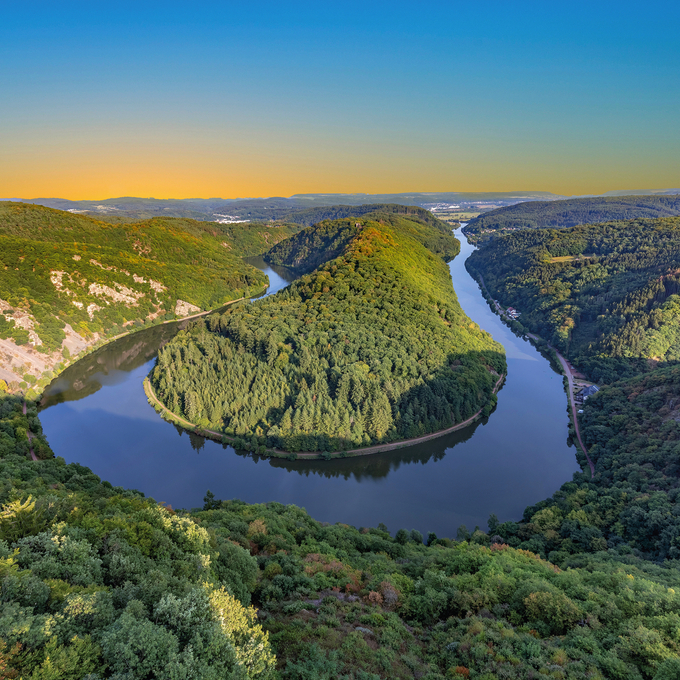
pixel 96 414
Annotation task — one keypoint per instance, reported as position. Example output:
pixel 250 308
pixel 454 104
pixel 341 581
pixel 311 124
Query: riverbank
pixel 96 414
pixel 168 415
pixel 552 355
pixel 34 392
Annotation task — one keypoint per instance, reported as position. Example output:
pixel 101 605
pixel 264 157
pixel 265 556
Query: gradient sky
pixel 202 99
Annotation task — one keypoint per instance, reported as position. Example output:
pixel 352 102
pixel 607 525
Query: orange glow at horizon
pixel 170 171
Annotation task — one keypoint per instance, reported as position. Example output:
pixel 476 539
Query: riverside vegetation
pixel 606 295
pixel 370 347
pixel 69 280
pixel 101 582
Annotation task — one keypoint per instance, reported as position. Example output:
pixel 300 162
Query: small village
pixel 510 312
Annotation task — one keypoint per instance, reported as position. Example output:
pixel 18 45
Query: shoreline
pixel 564 365
pixel 311 455
pixel 103 342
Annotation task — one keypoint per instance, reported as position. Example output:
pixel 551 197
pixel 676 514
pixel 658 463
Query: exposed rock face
pixel 183 308
pixel 123 294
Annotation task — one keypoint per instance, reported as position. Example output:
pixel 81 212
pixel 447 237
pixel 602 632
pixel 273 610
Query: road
pixel 570 391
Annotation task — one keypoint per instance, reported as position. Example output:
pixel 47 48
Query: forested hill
pixel 632 431
pixel 68 279
pixel 335 212
pixel 606 295
pixel 311 247
pixel 370 347
pixel 570 213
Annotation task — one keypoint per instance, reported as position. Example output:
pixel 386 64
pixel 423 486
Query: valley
pixel 333 598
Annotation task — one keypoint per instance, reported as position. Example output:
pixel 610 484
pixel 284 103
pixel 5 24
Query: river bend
pixel 96 414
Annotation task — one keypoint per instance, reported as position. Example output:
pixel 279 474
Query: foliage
pixel 606 295
pixel 370 347
pixel 632 506
pixel 99 580
pixel 59 268
pixel 569 213
pixel 312 216
pixel 328 239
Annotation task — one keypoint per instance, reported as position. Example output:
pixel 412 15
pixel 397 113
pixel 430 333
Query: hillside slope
pixel 606 295
pixel 68 280
pixel 336 212
pixel 311 247
pixel 370 347
pixel 570 213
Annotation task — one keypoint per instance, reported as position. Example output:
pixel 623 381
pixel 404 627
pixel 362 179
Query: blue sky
pixel 277 98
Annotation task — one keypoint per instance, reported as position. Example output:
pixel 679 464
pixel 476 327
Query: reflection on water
pixel 373 466
pixel 96 413
pixel 109 364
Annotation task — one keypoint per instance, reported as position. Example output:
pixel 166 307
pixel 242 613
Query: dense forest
pixel 67 276
pixel 101 582
pixel 569 213
pixel 312 216
pixel 606 295
pixel 632 506
pixel 371 347
pixel 329 238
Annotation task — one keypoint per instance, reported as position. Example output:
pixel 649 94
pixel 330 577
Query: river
pixel 96 414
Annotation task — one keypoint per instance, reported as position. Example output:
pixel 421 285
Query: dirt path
pixel 368 450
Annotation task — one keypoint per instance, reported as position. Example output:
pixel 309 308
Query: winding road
pixel 570 378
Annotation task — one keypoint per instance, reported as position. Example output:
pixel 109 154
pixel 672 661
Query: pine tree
pixel 380 419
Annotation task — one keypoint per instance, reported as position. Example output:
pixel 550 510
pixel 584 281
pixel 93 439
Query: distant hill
pixel 338 212
pixel 271 208
pixel 570 213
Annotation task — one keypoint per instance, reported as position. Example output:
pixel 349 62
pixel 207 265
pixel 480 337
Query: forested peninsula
pixel 370 347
